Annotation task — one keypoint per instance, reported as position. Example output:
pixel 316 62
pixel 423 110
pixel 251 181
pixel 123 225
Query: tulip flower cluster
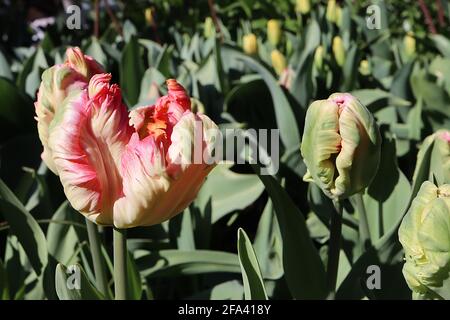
pixel 119 168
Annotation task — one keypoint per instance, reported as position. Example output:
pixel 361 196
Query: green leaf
pixel 442 44
pixel 284 114
pixel 5 70
pixel 228 191
pixel 23 225
pixel 304 271
pixel 16 110
pixel 131 70
pixel 251 274
pixel 151 82
pixel 387 196
pixel 134 285
pixel 268 244
pixel 95 51
pixel 170 263
pixel 4 294
pixel 73 284
pixel 62 240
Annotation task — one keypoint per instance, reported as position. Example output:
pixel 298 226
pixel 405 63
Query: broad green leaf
pixel 73 284
pixel 442 44
pixel 16 111
pixel 304 271
pixel 134 284
pixel 61 237
pixel 251 274
pixel 5 70
pixel 228 191
pixel 151 82
pixel 4 293
pixel 387 196
pixel 268 244
pixel 284 114
pixel 23 225
pixel 169 263
pixel 131 71
pixel 95 51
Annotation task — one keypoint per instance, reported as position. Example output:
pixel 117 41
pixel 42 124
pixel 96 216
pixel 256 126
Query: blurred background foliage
pixel 401 72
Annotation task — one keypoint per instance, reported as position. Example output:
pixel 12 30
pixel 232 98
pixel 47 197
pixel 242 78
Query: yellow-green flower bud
pixel 338 16
pixel 340 145
pixel 425 237
pixel 331 11
pixel 303 6
pixel 339 51
pixel 409 43
pixel 149 16
pixel 364 67
pixel 439 155
pixel 318 57
pixel 250 44
pixel 208 27
pixel 274 31
pixel 278 61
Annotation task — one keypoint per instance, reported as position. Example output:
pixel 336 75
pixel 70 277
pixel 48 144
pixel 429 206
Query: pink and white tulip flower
pixel 121 169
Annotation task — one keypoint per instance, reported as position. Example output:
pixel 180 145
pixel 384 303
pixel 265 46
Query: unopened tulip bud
pixel 425 237
pixel 149 16
pixel 339 51
pixel 250 44
pixel 409 42
pixel 439 155
pixel 340 145
pixel 278 61
pixel 364 67
pixel 303 6
pixel 274 31
pixel 208 27
pixel 338 16
pixel 331 11
pixel 318 57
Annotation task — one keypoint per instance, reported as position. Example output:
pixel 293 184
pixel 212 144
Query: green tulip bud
pixel 149 16
pixel 303 6
pixel 208 27
pixel 409 43
pixel 425 237
pixel 338 16
pixel 331 11
pixel 339 51
pixel 278 61
pixel 250 44
pixel 340 146
pixel 274 31
pixel 318 57
pixel 364 67
pixel 439 156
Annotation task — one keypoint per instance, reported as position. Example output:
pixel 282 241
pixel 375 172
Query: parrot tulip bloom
pixel 117 168
pixel 159 166
pixel 56 84
pixel 340 145
pixel 425 237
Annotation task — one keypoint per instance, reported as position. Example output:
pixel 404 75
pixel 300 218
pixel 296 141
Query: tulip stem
pixel 334 249
pixel 364 231
pixel 120 264
pixel 97 259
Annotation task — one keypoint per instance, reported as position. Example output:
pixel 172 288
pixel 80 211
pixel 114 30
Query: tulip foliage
pixel 100 131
